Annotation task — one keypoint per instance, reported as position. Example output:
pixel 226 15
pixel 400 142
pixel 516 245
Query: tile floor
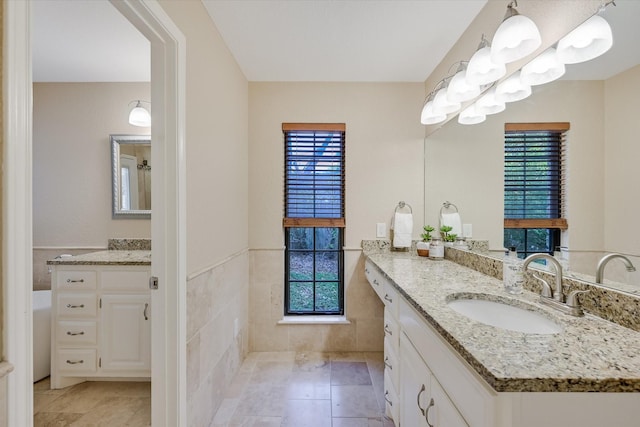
pixel 98 403
pixel 306 389
pixel 283 389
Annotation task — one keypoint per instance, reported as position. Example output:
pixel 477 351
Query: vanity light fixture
pixel 512 89
pixel 542 69
pixel 441 104
pixel 488 104
pixel 459 89
pixel 428 116
pixel 481 70
pixel 515 38
pixel 471 116
pixel 139 116
pixel 590 40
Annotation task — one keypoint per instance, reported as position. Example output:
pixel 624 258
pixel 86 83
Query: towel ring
pixel 402 205
pixel 448 205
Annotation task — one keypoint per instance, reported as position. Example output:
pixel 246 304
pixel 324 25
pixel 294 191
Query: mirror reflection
pixel 131 173
pixel 601 204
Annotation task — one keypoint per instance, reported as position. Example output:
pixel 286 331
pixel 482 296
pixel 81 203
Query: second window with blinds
pixel 534 175
pixel 314 220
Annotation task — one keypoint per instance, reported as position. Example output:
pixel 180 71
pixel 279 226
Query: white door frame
pixel 168 74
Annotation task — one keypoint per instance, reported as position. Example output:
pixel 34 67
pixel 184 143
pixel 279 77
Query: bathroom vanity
pixel 444 369
pixel 100 317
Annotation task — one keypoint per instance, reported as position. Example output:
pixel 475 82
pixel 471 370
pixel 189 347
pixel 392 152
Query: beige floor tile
pixel 114 411
pixel 309 385
pixel 350 373
pixel 307 413
pixel 348 356
pixel 354 401
pixel 54 419
pixel 255 422
pixel 271 372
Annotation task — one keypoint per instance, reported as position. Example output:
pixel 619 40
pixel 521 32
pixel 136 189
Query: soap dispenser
pixel 512 272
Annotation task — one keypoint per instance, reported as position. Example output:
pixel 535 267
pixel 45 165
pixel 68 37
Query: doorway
pixel 168 230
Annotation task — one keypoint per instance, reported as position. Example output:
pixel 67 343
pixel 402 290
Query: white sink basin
pixel 505 316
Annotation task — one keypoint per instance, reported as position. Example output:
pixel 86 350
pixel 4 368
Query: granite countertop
pixel 110 257
pixel 590 354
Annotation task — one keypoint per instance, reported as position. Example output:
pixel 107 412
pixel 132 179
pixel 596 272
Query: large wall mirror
pixel 602 199
pixel 131 176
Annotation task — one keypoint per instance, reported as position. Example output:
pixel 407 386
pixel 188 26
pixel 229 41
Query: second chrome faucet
pixel 605 259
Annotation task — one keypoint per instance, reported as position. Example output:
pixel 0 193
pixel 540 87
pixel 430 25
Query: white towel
pixel 452 220
pixel 402 230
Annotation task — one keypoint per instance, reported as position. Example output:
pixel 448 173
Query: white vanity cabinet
pixel 101 325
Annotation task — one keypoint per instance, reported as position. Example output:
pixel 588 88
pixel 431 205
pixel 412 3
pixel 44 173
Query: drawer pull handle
pixel 426 416
pixel 75 306
pixel 387 330
pixel 73 334
pixel 144 313
pixel 375 282
pixel 74 362
pixel 75 280
pixel 388 298
pixel 422 390
pixel 387 364
pixel 386 393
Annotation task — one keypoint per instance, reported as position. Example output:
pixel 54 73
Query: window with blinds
pixel 534 178
pixel 314 217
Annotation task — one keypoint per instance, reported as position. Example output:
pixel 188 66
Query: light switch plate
pixel 381 230
pixel 467 231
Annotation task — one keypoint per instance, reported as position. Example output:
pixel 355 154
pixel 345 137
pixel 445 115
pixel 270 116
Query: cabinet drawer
pixel 392 403
pixel 374 278
pixel 135 280
pixel 77 305
pixel 74 332
pixel 390 298
pixel 77 361
pixel 391 363
pixel 76 279
pixel 391 330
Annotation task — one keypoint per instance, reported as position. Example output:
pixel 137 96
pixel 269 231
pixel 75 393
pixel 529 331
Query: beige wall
pixel 217 205
pixel 384 150
pixel 72 168
pixel 465 164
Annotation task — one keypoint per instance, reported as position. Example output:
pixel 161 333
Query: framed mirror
pixel 131 176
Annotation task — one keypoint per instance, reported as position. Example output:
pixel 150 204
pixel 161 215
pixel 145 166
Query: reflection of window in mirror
pixel 129 188
pixel 534 175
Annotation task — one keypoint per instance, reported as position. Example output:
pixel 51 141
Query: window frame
pixel 292 221
pixel 554 225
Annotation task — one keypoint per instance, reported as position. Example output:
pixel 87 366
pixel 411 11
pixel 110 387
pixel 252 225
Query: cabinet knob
pixel 388 298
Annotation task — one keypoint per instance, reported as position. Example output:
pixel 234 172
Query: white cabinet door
pixel 415 385
pixel 443 413
pixel 126 334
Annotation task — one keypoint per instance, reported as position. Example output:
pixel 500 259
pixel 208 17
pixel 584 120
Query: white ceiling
pixel 293 40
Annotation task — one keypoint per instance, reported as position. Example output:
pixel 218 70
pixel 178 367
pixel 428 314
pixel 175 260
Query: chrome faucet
pixel 554 297
pixel 605 259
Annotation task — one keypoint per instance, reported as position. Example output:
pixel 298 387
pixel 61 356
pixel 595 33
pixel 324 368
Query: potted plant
pixel 447 237
pixel 423 246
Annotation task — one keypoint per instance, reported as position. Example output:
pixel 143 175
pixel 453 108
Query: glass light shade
pixel 590 40
pixel 542 69
pixel 428 117
pixel 512 89
pixel 441 105
pixel 515 38
pixel 459 90
pixel 139 116
pixel 482 70
pixel 470 116
pixel 488 104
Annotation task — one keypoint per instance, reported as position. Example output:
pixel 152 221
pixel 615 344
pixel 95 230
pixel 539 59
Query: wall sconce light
pixel 459 89
pixel 590 40
pixel 542 69
pixel 515 38
pixel 481 70
pixel 139 116
pixel 441 104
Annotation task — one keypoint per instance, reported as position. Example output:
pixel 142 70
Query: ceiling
pixel 293 40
